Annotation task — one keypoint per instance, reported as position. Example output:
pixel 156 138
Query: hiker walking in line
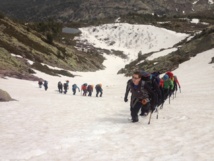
pixel 142 94
pixel 66 86
pixel 168 86
pixel 176 84
pixel 74 88
pixel 99 89
pixel 84 89
pixel 90 90
pixel 152 81
pixel 40 83
pixel 60 87
pixel 46 85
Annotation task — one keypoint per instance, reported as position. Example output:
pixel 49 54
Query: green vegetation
pixel 26 42
pixel 50 28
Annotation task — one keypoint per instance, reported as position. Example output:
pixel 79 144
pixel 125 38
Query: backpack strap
pixel 142 85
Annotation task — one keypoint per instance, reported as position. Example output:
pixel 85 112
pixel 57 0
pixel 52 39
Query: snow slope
pixel 130 38
pixel 48 126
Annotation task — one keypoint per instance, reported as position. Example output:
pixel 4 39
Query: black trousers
pixel 65 90
pixel 166 93
pixel 84 92
pixel 134 110
pixel 60 89
pixel 89 93
pixel 46 87
pixel 74 91
pixel 99 91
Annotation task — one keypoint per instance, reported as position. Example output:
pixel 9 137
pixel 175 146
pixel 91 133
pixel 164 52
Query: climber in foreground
pixel 141 95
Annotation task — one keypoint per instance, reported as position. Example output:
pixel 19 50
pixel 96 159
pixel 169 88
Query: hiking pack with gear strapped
pixel 143 97
pixel 150 92
pixel 153 81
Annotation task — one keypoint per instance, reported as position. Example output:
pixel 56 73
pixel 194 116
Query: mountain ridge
pixel 78 10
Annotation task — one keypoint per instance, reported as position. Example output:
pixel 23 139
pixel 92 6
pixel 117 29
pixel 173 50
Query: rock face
pixel 4 96
pixel 75 10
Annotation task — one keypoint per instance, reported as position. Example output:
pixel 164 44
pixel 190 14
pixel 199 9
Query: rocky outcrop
pixel 4 96
pixel 187 49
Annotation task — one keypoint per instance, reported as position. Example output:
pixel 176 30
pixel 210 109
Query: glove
pixel 125 99
pixel 145 101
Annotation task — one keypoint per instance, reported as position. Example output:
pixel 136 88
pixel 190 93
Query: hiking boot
pixel 135 121
pixel 144 114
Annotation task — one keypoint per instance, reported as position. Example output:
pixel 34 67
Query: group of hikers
pixel 149 91
pixel 44 83
pixel 85 88
pixel 89 89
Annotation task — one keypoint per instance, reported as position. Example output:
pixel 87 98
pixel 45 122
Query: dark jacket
pixel 59 85
pixel 140 92
pixel 90 88
pixel 98 87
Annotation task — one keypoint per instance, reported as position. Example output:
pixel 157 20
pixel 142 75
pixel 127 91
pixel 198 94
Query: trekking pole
pixel 162 105
pixel 180 89
pixel 169 99
pixel 150 117
pixel 175 93
pixel 157 112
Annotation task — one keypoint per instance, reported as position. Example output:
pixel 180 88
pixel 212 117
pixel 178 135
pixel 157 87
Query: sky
pixel 46 125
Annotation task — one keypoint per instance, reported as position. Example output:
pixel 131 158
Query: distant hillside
pixel 20 45
pixel 186 49
pixel 77 10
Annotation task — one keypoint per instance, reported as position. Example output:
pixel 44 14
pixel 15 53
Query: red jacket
pixel 161 83
pixel 84 88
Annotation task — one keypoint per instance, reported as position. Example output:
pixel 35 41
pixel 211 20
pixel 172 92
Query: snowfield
pixel 49 126
pixel 129 38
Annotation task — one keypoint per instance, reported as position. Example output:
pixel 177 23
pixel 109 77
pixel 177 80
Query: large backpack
pixel 84 87
pixel 65 85
pixel 153 82
pixel 74 86
pixel 149 79
pixel 45 82
pixel 89 88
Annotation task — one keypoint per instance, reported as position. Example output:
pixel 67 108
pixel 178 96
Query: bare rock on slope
pixel 4 96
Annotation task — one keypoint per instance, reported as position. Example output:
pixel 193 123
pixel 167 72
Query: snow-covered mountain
pixel 129 38
pixel 47 125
